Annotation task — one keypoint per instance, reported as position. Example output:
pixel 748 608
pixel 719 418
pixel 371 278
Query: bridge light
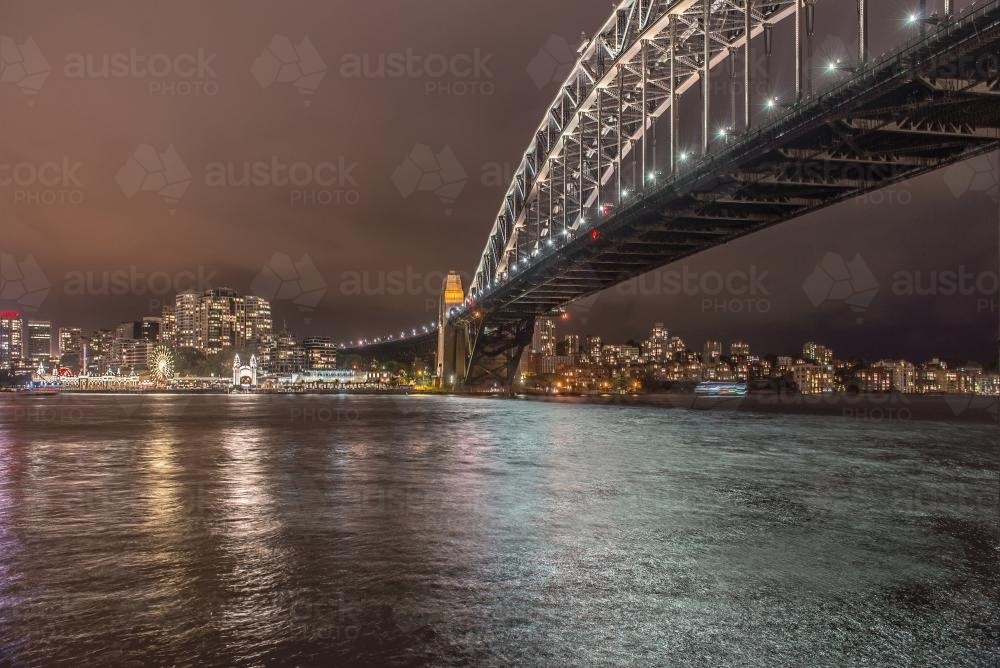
pixel 683 156
pixel 595 234
pixel 837 66
pixel 771 103
pixel 912 18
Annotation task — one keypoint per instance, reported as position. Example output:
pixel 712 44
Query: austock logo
pixel 23 65
pixel 282 62
pixel 322 183
pixel 47 183
pixel 23 282
pixel 732 292
pixel 978 175
pixel 410 615
pixel 466 74
pixel 852 282
pixel 423 170
pixel 163 173
pixel 553 62
pixel 299 282
pixel 193 70
pixel 960 403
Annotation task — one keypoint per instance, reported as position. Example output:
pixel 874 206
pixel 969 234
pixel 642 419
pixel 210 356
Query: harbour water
pixel 411 530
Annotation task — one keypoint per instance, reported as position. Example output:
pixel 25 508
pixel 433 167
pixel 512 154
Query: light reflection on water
pixel 412 530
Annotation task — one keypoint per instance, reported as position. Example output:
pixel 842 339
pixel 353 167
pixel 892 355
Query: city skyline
pixel 220 320
pixel 565 321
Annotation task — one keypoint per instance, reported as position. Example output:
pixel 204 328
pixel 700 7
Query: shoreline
pixel 865 407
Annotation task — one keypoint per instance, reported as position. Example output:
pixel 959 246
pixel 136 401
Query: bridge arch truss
pixel 629 75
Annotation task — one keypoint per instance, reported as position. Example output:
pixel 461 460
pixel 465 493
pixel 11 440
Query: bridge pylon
pixel 453 337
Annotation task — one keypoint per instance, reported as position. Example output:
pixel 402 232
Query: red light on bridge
pixel 595 234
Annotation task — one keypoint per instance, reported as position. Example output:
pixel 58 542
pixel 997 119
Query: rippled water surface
pixel 412 530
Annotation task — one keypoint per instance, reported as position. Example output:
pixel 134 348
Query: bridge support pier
pixel 453 355
pixel 453 336
pixel 496 353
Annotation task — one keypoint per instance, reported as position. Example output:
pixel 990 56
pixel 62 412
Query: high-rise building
pixel 39 341
pixel 739 350
pixel 130 329
pixel 544 340
pixel 903 376
pixel 217 328
pixel 320 352
pixel 620 354
pixel 287 356
pixel 812 379
pixel 69 340
pixel 655 347
pixel 226 319
pixel 150 328
pixel 783 365
pixel 132 354
pixel 259 325
pixel 128 347
pixel 712 352
pixel 168 326
pixel 594 348
pixel 815 352
pixel 97 352
pixel 11 344
pixel 572 342
pixel 185 328
pixel 676 345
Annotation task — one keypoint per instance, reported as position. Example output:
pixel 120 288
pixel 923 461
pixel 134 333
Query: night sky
pixel 229 117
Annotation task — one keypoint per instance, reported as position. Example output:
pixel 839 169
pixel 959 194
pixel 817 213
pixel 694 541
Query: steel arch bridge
pixel 587 208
